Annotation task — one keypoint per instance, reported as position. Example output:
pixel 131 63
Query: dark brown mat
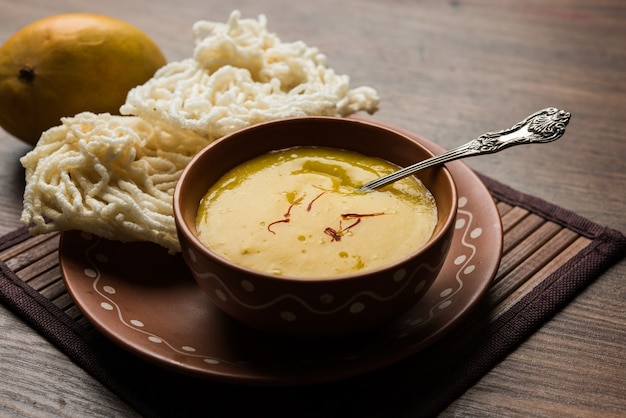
pixel 550 255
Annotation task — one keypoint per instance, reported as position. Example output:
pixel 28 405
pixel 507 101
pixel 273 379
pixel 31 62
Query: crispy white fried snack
pixel 240 75
pixel 113 176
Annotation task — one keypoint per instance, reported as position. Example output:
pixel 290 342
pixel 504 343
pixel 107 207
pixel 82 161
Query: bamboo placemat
pixel 549 255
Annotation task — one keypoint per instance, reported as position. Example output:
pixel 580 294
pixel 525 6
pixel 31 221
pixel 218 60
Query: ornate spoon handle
pixel 546 125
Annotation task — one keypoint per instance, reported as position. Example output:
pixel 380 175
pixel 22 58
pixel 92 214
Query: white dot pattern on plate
pixel 445 304
pixel 91 273
pixel 463 224
pixel 469 269
pixel 460 260
pixel 464 227
pixel 107 292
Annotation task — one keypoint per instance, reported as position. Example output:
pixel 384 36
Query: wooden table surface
pixel 448 71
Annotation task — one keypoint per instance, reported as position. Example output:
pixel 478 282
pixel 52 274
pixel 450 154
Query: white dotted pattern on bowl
pixel 353 304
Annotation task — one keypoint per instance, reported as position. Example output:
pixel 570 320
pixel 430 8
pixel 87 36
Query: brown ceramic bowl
pixel 324 307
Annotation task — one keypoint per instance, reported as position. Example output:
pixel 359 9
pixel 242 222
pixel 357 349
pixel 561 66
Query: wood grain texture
pixel 448 71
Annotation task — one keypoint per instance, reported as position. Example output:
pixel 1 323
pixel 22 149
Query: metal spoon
pixel 545 125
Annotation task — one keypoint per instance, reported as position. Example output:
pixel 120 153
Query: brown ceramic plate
pixel 146 301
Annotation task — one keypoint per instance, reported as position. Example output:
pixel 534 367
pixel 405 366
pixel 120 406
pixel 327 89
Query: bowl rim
pixel 199 246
